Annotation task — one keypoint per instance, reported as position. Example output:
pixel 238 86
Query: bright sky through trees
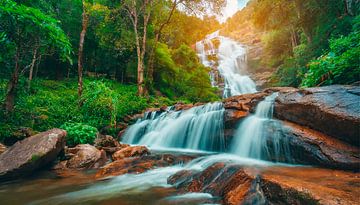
pixel 231 8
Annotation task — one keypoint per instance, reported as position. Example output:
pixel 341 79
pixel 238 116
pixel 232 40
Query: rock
pixel 131 151
pixel 141 164
pixel 262 79
pixel 85 156
pixel 106 141
pixel 236 184
pixel 333 110
pixel 112 150
pixel 181 106
pixel 3 148
pixel 308 146
pixel 32 153
pixel 304 185
pixel 133 118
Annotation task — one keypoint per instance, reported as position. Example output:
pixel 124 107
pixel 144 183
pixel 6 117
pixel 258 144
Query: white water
pixel 199 128
pixel 132 184
pixel 252 136
pixel 232 64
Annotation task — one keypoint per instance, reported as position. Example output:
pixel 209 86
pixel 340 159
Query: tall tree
pixel 23 27
pixel 84 25
pixel 165 11
pixel 139 12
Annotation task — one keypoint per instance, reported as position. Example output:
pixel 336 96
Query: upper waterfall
pixel 230 61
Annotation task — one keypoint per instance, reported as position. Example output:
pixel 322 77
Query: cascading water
pixel 232 64
pixel 199 128
pixel 258 136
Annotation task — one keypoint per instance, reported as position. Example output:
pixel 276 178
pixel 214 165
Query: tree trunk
pixel 150 73
pixel 32 65
pixel 81 49
pixel 11 93
pixel 37 67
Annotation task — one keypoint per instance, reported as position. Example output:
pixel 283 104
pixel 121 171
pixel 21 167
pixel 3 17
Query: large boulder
pixel 236 184
pixel 308 146
pixel 31 154
pixel 333 110
pixel 85 156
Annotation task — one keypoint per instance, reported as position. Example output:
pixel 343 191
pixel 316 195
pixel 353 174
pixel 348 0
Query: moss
pixel 35 157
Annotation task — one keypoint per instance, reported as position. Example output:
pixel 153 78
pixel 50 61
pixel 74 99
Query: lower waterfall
pixel 199 128
pixel 259 136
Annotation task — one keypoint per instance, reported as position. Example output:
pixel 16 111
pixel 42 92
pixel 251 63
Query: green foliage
pixel 50 104
pixel 78 133
pixel 179 74
pixel 26 25
pixel 277 47
pixel 341 65
pixel 35 157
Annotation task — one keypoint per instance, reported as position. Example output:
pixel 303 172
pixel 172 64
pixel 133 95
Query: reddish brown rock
pixel 31 154
pixel 301 185
pixel 131 151
pixel 3 148
pixel 333 110
pixel 312 147
pixel 141 164
pixel 236 184
pixel 182 106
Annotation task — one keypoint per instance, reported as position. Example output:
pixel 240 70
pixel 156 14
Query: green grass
pixel 50 104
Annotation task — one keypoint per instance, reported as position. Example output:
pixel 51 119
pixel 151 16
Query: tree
pixel 24 26
pixel 84 25
pixel 139 11
pixel 164 14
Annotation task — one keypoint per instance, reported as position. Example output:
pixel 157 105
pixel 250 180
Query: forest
pixel 265 83
pixel 103 50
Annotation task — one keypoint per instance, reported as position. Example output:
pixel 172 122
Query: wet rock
pixel 131 151
pixel 141 164
pixel 333 110
pixel 133 118
pixel 3 148
pixel 31 154
pixel 85 156
pixel 302 185
pixel 182 106
pixel 236 184
pixel 308 146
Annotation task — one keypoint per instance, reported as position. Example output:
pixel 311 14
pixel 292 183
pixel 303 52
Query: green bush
pixel 78 133
pixel 50 104
pixel 341 65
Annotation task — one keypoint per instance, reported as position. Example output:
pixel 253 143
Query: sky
pixel 232 6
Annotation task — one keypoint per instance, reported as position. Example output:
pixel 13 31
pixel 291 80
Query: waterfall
pixel 259 136
pixel 199 128
pixel 232 64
